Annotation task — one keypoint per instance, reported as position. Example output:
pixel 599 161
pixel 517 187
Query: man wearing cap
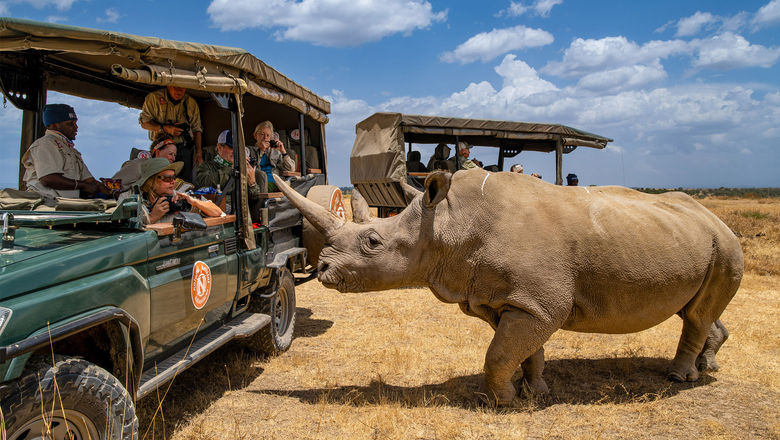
pixel 572 180
pixel 217 172
pixel 166 111
pixel 163 147
pixel 53 166
pixel 464 149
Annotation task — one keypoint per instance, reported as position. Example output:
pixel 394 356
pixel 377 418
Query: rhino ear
pixel 437 184
pixel 360 211
pixel 410 192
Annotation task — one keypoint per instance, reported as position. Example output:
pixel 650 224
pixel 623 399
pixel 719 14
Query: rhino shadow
pixel 571 381
pixel 306 327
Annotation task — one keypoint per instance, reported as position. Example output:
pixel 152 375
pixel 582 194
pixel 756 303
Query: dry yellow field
pixel 401 365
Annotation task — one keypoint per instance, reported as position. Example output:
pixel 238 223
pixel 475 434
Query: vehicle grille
pixel 230 245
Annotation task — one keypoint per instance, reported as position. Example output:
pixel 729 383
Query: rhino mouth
pixel 333 278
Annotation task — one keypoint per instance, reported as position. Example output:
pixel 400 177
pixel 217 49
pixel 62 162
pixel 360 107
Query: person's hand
pixel 172 129
pixel 278 144
pixel 160 208
pixel 91 187
pixel 250 173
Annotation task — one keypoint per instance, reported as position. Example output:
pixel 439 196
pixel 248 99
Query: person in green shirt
pixel 216 173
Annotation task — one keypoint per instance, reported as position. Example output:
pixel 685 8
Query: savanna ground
pixel 401 365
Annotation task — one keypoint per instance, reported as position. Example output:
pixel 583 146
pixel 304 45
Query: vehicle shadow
pixel 306 327
pixel 228 368
pixel 571 381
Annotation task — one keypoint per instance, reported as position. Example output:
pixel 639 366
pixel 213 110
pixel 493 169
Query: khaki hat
pixel 155 165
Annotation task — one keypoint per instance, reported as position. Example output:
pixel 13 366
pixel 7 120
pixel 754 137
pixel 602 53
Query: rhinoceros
pixel 529 258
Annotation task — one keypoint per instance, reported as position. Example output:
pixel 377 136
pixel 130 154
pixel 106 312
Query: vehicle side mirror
pixel 186 221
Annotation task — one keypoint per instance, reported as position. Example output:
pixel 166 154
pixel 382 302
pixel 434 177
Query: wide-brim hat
pixel 155 165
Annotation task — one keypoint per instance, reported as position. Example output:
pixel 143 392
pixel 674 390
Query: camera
pixel 178 205
pixel 253 161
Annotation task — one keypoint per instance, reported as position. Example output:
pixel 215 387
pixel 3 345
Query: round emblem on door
pixel 201 284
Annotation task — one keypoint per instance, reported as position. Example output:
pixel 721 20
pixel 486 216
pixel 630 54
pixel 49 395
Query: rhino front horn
pixel 322 219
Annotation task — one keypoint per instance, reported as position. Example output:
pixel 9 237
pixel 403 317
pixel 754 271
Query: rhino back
pixel 603 259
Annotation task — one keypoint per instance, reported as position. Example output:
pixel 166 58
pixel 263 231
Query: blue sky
pixel 689 91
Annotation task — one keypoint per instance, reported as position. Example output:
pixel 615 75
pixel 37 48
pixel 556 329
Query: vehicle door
pixel 188 280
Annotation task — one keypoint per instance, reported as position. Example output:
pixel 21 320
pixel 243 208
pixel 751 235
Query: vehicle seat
pixel 439 159
pixel 413 164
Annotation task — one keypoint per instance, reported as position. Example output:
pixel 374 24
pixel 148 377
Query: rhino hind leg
pixel 715 339
pixel 532 373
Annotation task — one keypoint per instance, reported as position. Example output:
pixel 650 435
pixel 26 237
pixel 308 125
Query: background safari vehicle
pixel 378 162
pixel 97 310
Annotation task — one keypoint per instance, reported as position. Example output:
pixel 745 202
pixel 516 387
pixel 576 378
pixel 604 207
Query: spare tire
pixel 330 198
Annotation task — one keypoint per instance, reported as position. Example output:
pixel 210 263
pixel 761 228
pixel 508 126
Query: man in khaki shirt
pixel 165 111
pixel 52 165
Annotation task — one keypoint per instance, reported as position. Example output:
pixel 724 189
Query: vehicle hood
pixel 42 257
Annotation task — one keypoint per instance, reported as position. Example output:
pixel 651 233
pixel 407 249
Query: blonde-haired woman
pixel 270 154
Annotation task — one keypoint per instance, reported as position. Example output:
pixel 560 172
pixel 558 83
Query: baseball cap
pixel 226 137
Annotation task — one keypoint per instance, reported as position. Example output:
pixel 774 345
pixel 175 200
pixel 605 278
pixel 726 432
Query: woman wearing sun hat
pixel 157 185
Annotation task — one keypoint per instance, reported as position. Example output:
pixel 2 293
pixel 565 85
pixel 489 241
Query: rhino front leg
pixel 518 336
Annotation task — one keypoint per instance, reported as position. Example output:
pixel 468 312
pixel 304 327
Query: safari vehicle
pixel 98 310
pixel 378 164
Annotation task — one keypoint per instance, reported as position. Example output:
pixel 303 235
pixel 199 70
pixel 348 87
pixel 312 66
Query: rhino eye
pixel 373 241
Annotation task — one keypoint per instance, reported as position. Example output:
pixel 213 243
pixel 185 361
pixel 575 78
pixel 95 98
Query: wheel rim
pixel 282 315
pixel 70 425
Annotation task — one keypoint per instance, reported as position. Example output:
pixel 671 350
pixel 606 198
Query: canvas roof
pixel 157 61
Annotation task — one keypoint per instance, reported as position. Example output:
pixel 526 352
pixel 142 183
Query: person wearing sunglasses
pixel 159 197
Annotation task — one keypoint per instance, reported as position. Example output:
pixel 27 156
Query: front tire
pixel 69 398
pixel 277 336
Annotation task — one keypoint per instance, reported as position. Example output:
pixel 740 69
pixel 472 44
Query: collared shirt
pixel 53 153
pixel 159 108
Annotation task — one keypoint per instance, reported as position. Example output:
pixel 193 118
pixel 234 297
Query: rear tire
pixel 69 398
pixel 277 336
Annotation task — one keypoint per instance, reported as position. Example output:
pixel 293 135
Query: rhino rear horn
pixel 437 184
pixel 360 210
pixel 410 192
pixel 323 220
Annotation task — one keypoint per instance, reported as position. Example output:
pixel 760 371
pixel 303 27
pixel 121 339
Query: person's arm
pixel 58 181
pixel 206 207
pixel 160 208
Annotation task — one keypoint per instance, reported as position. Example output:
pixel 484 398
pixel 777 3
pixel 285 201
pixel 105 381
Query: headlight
pixel 5 315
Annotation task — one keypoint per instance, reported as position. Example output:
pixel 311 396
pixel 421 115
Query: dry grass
pixel 400 365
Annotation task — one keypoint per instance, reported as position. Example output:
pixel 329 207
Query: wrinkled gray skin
pixel 530 258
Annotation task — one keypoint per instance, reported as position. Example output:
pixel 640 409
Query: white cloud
pixel 112 16
pixel 767 15
pixel 61 5
pixel 623 78
pixel 583 56
pixel 326 22
pixel 56 19
pixel 732 51
pixel 488 45
pixel 692 25
pixel 539 7
pixel 4 9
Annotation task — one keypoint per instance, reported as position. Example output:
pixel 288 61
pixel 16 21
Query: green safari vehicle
pixel 98 310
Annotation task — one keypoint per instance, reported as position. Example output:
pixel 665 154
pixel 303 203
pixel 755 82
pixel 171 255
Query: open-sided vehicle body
pixel 378 162
pixel 94 298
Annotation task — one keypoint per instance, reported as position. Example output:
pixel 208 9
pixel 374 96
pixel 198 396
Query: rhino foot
pixel 706 361
pixel 690 374
pixel 715 338
pixel 535 387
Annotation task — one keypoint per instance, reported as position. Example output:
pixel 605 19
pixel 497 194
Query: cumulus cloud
pixel 539 7
pixel 335 23
pixel 488 45
pixel 731 51
pixel 4 9
pixel 623 78
pixel 767 15
pixel 692 25
pixel 586 56
pixel 112 16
